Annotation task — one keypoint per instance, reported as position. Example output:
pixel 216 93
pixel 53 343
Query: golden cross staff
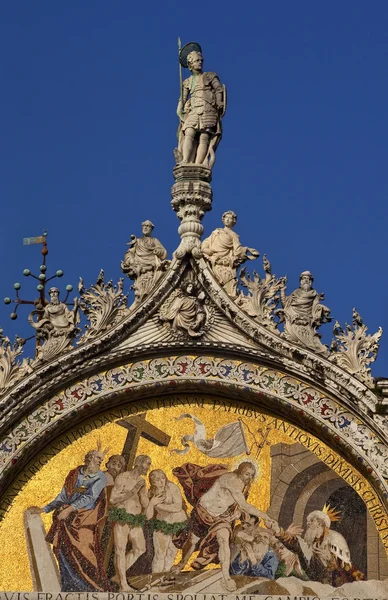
pixel 259 445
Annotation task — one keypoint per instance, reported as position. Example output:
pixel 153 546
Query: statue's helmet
pixel 186 51
pixel 53 290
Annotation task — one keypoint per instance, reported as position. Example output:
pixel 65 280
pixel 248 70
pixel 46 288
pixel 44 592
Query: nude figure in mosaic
pixel 114 466
pixel 167 517
pixel 129 498
pixel 218 502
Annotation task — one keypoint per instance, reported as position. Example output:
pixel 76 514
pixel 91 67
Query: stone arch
pixel 253 384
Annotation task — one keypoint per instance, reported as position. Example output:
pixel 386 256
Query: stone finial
pixel 263 295
pixel 354 350
pixel 104 304
pixel 11 369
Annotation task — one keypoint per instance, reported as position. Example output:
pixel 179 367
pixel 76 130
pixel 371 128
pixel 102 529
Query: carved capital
pixel 191 198
pixel 192 172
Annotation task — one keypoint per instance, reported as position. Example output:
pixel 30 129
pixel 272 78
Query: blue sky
pixel 89 92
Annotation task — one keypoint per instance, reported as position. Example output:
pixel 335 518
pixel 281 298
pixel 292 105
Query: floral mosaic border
pixel 361 441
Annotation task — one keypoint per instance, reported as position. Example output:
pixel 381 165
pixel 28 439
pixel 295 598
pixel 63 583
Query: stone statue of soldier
pixel 200 110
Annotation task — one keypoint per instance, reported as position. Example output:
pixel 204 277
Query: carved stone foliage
pixel 186 312
pixel 144 262
pixel 263 295
pixel 11 369
pixel 303 314
pixel 223 250
pixel 354 350
pixel 104 304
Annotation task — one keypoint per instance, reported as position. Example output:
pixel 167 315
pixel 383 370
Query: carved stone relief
pixel 11 369
pixel 104 304
pixel 187 312
pixel 263 295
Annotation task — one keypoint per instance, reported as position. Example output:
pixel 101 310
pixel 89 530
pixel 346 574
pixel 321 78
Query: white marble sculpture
pixel 55 327
pixel 186 313
pixel 303 313
pixel 144 261
pixel 200 109
pixel 225 253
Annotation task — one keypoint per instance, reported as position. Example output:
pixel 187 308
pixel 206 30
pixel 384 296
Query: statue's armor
pixel 201 106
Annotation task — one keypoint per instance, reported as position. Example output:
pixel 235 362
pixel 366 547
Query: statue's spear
pixel 180 71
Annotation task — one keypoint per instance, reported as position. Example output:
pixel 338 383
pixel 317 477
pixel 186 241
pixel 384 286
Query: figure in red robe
pixel 78 520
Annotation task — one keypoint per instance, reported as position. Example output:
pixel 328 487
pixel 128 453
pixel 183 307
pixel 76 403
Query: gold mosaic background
pixel 46 484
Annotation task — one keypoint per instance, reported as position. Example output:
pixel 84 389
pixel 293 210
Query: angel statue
pixel 200 109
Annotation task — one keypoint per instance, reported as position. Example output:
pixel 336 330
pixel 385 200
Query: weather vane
pixel 44 321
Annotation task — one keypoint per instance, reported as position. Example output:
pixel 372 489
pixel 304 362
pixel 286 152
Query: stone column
pixel 191 198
